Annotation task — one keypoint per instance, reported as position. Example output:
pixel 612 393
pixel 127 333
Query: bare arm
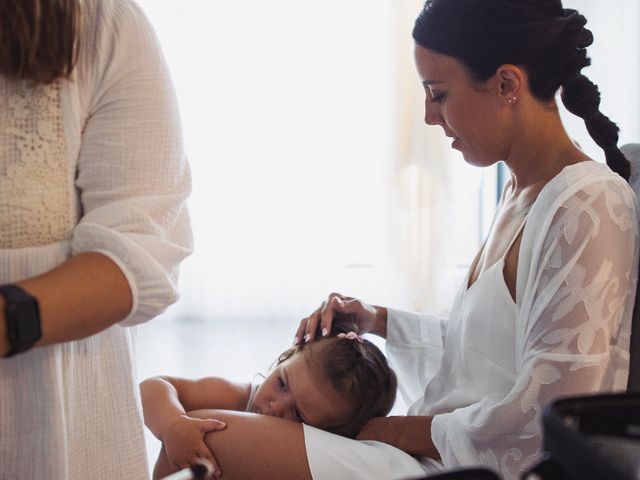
pixel 411 434
pixel 255 446
pixel 165 399
pixel 82 296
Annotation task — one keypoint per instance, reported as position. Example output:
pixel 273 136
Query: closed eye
pixel 438 98
pixel 281 385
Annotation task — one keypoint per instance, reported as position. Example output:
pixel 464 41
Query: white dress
pixel 486 372
pixel 94 163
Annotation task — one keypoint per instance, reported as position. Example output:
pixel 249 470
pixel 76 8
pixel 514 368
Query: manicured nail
pixel 307 337
pixel 324 332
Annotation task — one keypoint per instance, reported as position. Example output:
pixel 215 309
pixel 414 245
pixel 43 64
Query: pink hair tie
pixel 350 336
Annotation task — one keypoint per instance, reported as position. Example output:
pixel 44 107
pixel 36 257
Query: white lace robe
pixel 91 164
pixel 577 269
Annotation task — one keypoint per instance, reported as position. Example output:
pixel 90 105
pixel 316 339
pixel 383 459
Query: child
pixel 337 384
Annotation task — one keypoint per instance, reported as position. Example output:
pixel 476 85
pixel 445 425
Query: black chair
pixel 591 438
pixel 464 474
pixel 632 152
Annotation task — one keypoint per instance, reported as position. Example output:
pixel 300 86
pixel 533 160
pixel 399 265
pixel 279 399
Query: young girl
pixel 336 384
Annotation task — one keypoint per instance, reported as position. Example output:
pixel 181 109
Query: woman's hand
pixel 184 442
pixel 370 318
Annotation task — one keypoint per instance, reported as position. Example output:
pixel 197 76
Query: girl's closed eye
pixel 281 385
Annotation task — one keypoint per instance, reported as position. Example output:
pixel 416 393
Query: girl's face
pixel 293 391
pixel 470 114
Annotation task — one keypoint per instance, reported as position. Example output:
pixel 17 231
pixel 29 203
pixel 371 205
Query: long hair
pixel 550 42
pixel 38 39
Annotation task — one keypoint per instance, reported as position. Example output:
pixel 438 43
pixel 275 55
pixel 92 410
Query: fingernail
pixel 307 337
pixel 295 340
pixel 324 332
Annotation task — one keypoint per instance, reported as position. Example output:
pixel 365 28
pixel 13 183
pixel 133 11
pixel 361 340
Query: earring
pixel 512 100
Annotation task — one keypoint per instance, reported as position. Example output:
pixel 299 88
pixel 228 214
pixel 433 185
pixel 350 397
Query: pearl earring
pixel 512 100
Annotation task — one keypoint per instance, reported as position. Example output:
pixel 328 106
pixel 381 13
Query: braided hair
pixel 550 42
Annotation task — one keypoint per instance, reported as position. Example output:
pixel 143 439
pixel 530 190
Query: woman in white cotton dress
pixel 546 307
pixel 93 226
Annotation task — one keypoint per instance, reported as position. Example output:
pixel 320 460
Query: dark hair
pixel 550 42
pixel 356 369
pixel 38 39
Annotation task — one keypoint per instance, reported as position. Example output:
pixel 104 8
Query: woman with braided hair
pixel 545 310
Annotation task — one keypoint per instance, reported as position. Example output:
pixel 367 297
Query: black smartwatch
pixel 23 319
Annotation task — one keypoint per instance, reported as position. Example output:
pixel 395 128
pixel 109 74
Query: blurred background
pixel 313 170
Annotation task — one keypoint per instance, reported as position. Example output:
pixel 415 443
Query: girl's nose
pixel 282 406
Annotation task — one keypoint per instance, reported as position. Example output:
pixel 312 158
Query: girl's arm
pixel 165 401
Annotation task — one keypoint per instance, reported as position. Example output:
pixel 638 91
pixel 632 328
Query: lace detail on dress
pixel 35 207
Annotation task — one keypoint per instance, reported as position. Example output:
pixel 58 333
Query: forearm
pixel 160 404
pixel 81 297
pixel 411 434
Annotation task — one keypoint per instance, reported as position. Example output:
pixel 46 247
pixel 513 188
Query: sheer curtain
pixel 303 125
pixel 313 170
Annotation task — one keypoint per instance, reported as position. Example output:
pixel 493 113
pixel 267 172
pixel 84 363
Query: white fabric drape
pixel 304 130
pixel 313 169
pixel 431 186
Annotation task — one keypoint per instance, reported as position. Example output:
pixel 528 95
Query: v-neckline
pixel 501 259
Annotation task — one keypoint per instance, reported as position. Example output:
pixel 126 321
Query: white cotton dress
pixel 486 372
pixel 94 163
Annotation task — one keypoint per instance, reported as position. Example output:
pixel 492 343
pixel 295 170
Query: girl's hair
pixel 38 39
pixel 550 42
pixel 356 369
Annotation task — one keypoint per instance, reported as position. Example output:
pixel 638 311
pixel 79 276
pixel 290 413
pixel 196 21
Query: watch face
pixel 27 329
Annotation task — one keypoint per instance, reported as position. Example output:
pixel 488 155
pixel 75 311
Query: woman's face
pixel 467 112
pixel 294 391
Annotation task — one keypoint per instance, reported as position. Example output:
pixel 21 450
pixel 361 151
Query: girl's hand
pixel 184 442
pixel 370 319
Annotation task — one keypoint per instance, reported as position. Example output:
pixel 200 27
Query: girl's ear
pixel 511 80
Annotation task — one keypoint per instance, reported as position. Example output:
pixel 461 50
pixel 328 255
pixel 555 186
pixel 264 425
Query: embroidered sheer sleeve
pixel 132 174
pixel 575 287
